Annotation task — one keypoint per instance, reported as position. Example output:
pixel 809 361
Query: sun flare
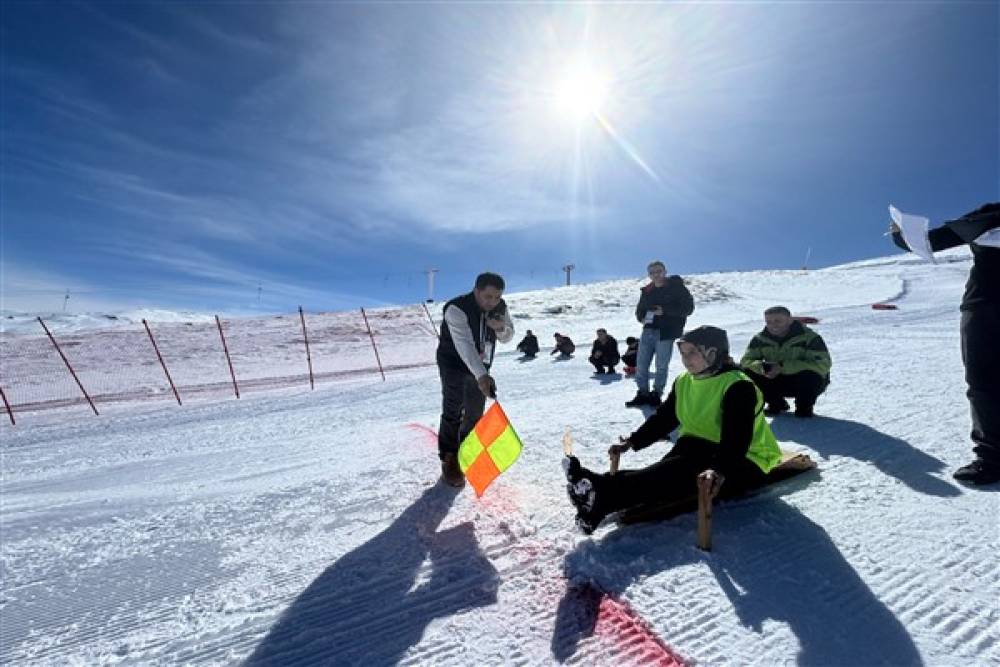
pixel 580 92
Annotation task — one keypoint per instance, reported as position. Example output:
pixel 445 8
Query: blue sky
pixel 183 154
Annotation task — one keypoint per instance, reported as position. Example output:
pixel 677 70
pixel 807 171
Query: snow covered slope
pixel 296 527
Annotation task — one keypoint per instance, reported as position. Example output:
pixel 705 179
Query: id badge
pixel 649 317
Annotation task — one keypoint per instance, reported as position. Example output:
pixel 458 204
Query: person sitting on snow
pixel 604 353
pixel 631 352
pixel 528 345
pixel 564 346
pixel 787 358
pixel 718 410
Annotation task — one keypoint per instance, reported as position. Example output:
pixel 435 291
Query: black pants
pixel 462 405
pixel 981 356
pixel 600 363
pixel 674 477
pixel 804 386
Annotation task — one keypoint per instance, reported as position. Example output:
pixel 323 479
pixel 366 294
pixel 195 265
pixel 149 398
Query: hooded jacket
pixel 677 304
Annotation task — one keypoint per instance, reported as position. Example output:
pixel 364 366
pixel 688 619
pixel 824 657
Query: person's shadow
pixel 606 378
pixel 771 562
pixel 563 357
pixel 892 456
pixel 374 603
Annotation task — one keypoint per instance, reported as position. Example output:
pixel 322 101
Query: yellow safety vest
pixel 699 410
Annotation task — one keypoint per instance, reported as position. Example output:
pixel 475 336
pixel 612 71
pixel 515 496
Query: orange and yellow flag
pixel 489 449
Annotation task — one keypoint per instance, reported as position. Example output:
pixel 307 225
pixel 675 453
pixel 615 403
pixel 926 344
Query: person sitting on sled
pixel 722 428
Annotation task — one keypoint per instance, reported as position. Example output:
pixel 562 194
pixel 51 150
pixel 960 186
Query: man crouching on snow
pixel 472 325
pixel 722 428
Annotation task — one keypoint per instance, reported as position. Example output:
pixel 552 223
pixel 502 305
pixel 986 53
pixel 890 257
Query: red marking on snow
pixel 632 636
pixel 431 434
pixel 884 306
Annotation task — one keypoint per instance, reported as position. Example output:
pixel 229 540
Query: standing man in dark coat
pixel 980 329
pixel 664 306
pixel 604 354
pixel 473 323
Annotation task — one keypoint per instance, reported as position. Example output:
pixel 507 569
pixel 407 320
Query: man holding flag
pixel 473 324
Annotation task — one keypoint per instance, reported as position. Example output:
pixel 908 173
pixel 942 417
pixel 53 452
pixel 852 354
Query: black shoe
pixel 978 473
pixel 803 410
pixel 776 408
pixel 612 371
pixel 579 487
pixel 654 400
pixel 640 400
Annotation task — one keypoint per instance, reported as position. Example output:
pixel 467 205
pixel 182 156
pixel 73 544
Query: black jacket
pixel 447 355
pixel 983 286
pixel 565 346
pixel 529 345
pixel 677 304
pixel 608 350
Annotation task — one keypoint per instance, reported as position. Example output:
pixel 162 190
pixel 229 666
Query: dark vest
pixel 447 355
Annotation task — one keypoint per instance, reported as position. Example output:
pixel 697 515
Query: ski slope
pixel 299 528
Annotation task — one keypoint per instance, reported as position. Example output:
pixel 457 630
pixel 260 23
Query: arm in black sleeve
pixel 739 406
pixel 685 302
pixel 640 308
pixel 959 231
pixel 941 238
pixel 658 426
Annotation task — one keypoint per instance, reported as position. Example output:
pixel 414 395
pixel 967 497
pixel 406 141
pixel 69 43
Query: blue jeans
pixel 650 345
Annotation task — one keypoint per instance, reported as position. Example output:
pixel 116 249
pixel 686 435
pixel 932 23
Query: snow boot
pixel 451 473
pixel 579 487
pixel 805 411
pixel 978 473
pixel 640 400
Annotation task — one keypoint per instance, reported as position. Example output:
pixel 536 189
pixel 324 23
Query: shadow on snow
pixel 374 603
pixel 771 562
pixel 893 456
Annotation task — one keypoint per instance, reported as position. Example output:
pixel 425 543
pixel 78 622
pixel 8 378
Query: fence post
pixel 370 335
pixel 433 326
pixel 71 371
pixel 162 363
pixel 10 413
pixel 305 337
pixel 225 348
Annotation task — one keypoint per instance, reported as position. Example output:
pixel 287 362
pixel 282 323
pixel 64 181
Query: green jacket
pixel 801 349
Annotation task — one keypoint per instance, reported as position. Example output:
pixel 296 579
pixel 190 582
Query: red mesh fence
pixel 121 364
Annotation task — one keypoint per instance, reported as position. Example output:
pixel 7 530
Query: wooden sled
pixel 792 464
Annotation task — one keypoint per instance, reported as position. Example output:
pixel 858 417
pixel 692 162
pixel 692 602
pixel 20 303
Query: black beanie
pixel 707 338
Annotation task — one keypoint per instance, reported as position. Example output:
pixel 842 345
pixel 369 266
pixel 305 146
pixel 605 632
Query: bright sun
pixel 580 92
